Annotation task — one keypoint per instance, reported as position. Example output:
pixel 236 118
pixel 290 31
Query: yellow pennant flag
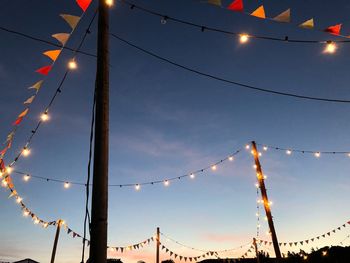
pixel 309 24
pixel 53 54
pixel 215 2
pixel 62 37
pixel 37 85
pixel 71 20
pixel 29 100
pixel 259 12
pixel 23 113
pixel 283 17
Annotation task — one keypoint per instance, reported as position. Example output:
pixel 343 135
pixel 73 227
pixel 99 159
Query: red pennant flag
pixel 236 5
pixel 84 4
pixel 349 222
pixel 18 121
pixel 335 30
pixel 44 70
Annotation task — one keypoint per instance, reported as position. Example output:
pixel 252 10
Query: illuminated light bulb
pixel 66 185
pixel 305 257
pixel 265 176
pixel 265 218
pixel 317 154
pixel 324 253
pixel 330 48
pixel 214 167
pixel 137 187
pixel 72 64
pixel 289 152
pixel 252 152
pixel 347 154
pixel 109 3
pixel 258 226
pixel 4 183
pixel 36 221
pixel 259 154
pixel 230 158
pixel 254 166
pixel 1 174
pixel 45 225
pixel 26 177
pixel 166 183
pixel 9 169
pixel 163 20
pixel 192 176
pixel 247 147
pixel 44 116
pixel 257 185
pixel 25 152
pixel 270 203
pixel 26 213
pixel 257 214
pixel 243 38
pixel 18 199
pixel 265 148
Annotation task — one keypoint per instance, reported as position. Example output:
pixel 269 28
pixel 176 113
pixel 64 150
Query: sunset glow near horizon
pixel 166 122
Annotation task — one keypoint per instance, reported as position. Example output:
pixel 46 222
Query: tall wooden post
pixel 256 250
pixel 99 203
pixel 58 229
pixel 157 245
pixel 260 176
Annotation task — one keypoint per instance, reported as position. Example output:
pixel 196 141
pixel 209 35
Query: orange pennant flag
pixel 18 121
pixel 309 24
pixel 215 2
pixel 71 20
pixel 62 37
pixel 259 12
pixel 23 113
pixel 44 70
pixel 29 100
pixel 284 17
pixel 334 30
pixel 84 4
pixel 53 54
pixel 37 85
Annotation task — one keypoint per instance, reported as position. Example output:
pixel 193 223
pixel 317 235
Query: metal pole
pixel 265 199
pixel 99 203
pixel 53 255
pixel 256 250
pixel 158 245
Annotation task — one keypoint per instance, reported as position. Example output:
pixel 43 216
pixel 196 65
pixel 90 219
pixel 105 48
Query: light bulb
pixel 257 185
pixel 324 253
pixel 192 176
pixel 230 158
pixel 18 199
pixel 4 183
pixel 289 152
pixel 66 185
pixel 166 183
pixel 45 225
pixel 9 169
pixel 26 213
pixel 44 116
pixel 243 38
pixel 72 64
pixel 265 148
pixel 137 187
pixel 330 48
pixel 109 3
pixel 25 152
pixel 163 20
pixel 317 154
pixel 247 146
pixel 26 177
pixel 214 167
pixel 36 221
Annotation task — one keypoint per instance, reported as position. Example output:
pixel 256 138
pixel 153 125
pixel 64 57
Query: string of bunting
pixel 44 71
pixel 307 241
pixel 203 250
pixel 250 249
pixel 244 37
pixel 283 17
pixel 137 186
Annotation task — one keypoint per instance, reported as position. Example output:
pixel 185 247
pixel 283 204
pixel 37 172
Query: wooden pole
pixel 99 203
pixel 260 176
pixel 53 255
pixel 256 250
pixel 158 245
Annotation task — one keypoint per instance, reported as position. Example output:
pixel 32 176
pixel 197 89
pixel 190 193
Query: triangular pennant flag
pixel 84 4
pixel 23 113
pixel 72 21
pixel 312 239
pixel 74 234
pixel 18 121
pixel 171 253
pixel 29 100
pixel 236 5
pixel 69 230
pixel 335 30
pixel 180 257
pixel 44 70
pixel 333 230
pixel 344 225
pixel 318 237
pixel 122 249
pixel 307 241
pixel 323 235
pixel 283 17
pixel 290 244
pixel 37 85
pixel 349 222
pixel 53 54
pixel 301 242
pixel 329 233
pixel 259 12
pixel 295 243
pixel 338 228
pixel 62 37
pixel 309 24
pixel 215 2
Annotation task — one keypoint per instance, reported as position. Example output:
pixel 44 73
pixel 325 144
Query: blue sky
pixel 166 122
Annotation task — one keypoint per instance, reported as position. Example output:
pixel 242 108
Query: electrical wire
pixel 235 83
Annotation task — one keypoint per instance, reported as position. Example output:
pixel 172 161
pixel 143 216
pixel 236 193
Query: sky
pixel 166 122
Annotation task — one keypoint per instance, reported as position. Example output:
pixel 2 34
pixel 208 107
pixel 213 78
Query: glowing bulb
pixel 348 156
pixel 36 221
pixel 247 146
pixel 265 176
pixel 1 174
pixel 305 257
pixel 243 38
pixel 324 253
pixel 4 183
pixel 257 185
pixel 44 116
pixel 166 183
pixel 265 148
pixel 9 169
pixel 109 3
pixel 258 226
pixel 289 152
pixel 265 218
pixel 252 152
pixel 45 225
pixel 317 154
pixel 255 166
pixel 137 187
pixel 66 185
pixel 26 213
pixel 214 167
pixel 26 177
pixel 18 199
pixel 330 48
pixel 192 176
pixel 230 158
pixel 257 214
pixel 270 203
pixel 72 64
pixel 25 152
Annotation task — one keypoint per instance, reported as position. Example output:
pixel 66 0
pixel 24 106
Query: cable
pixel 208 28
pixel 246 86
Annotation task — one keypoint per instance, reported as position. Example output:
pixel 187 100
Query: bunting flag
pixel 284 17
pixel 72 21
pixel 53 54
pixel 17 121
pixel 308 24
pixel 84 4
pixel 23 113
pixel 29 100
pixel 236 5
pixel 37 85
pixel 259 12
pixel 62 38
pixel 44 70
pixel 334 30
pixel 215 2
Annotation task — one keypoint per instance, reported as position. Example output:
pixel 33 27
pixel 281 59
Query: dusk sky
pixel 166 122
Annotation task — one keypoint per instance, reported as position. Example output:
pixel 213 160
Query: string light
pixel 230 158
pixel 330 48
pixel 26 177
pixel 45 116
pixel 247 146
pixel 166 183
pixel 192 176
pixel 214 167
pixel 243 38
pixel 18 199
pixel 265 148
pixel 288 152
pixel 317 154
pixel 305 257
pixel 25 213
pixel 137 187
pixel 110 2
pixel 4 183
pixel 324 253
pixel 72 64
pixel 66 185
pixel 25 152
